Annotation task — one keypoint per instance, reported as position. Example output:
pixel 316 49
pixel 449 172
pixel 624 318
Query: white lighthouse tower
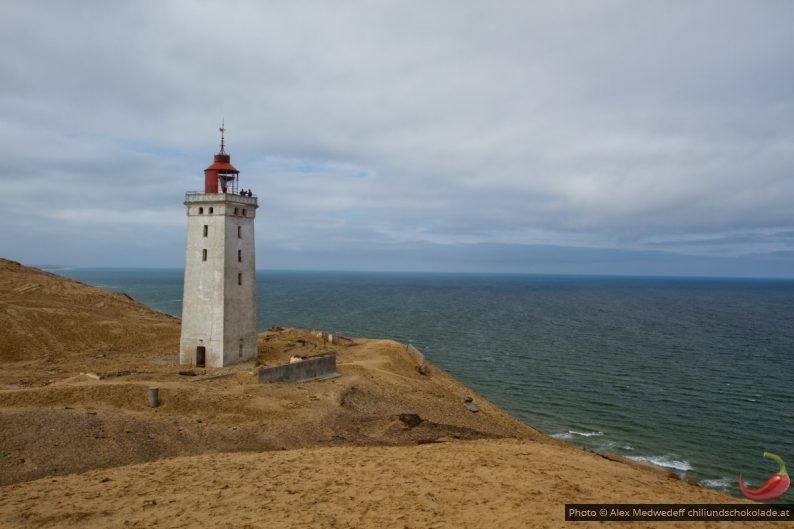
pixel 219 300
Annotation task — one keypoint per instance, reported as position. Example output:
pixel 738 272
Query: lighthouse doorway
pixel 200 353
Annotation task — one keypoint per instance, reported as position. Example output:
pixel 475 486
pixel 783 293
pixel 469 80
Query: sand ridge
pixel 83 406
pixel 486 483
pixel 109 418
pixel 383 445
pixel 44 317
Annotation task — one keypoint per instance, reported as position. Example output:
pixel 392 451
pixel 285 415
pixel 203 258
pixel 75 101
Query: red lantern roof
pixel 222 164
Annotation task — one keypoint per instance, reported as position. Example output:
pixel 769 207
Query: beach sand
pixel 382 445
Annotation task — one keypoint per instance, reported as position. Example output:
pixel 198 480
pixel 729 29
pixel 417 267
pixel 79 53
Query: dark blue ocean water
pixel 694 375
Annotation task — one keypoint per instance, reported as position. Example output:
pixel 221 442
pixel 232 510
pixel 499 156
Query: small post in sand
pixel 154 397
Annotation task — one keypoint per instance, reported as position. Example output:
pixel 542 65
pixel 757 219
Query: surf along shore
pixel 382 445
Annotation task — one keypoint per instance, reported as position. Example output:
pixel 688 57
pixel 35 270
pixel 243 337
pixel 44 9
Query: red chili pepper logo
pixel 774 487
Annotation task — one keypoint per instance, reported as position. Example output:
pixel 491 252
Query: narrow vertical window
pixel 206 230
pixel 203 255
pixel 239 279
pixel 239 256
pixel 243 213
pixel 236 211
pixel 239 232
pixel 210 209
pixel 201 211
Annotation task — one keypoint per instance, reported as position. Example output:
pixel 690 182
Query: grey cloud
pixel 601 124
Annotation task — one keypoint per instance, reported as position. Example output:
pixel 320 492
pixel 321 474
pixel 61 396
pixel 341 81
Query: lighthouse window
pixel 236 211
pixel 239 279
pixel 239 232
pixel 210 209
pixel 201 211
pixel 206 230
pixel 239 256
pixel 203 255
pixel 243 213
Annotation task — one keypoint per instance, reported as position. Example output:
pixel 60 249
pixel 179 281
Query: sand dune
pixel 44 316
pixel 494 483
pixel 84 406
pixel 380 446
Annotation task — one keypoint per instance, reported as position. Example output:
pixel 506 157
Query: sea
pixel 693 375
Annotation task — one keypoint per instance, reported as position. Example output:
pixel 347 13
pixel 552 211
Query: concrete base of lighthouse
pixel 200 353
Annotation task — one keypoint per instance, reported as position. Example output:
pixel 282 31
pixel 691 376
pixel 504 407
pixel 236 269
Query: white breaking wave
pixel 721 483
pixel 571 433
pixel 664 461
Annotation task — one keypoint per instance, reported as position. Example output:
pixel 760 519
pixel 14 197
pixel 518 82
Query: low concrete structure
pixel 314 368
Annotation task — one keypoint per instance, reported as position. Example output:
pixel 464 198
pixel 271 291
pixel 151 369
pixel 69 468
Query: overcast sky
pixel 574 137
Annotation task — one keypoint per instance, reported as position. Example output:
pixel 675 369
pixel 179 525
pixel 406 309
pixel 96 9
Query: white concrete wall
pixel 217 312
pixel 240 299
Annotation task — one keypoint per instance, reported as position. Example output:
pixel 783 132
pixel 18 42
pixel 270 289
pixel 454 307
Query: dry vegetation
pixel 78 362
pixel 46 317
pixel 381 445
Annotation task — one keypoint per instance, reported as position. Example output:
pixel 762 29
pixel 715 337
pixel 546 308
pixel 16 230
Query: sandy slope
pixel 85 450
pixel 77 423
pixel 82 405
pixel 44 317
pixel 494 483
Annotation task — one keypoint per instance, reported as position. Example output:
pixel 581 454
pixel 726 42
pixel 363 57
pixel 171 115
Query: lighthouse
pixel 219 299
